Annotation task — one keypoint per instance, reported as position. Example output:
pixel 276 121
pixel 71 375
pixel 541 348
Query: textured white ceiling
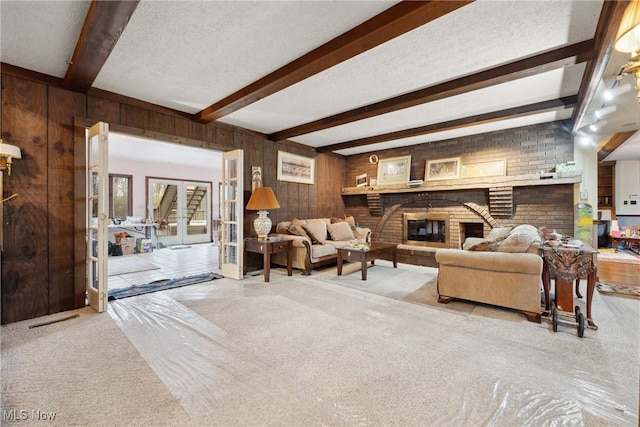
pixel 541 87
pixel 40 35
pixel 187 55
pixel 460 43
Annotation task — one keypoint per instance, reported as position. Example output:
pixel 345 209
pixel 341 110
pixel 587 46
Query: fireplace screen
pixel 426 229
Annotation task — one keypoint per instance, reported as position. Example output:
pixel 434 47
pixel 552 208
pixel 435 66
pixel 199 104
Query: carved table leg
pixel 591 284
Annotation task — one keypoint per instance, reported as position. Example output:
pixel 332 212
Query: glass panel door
pixel 232 209
pixel 197 212
pixel 97 172
pixel 182 210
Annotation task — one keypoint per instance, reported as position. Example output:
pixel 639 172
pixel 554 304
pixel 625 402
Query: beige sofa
pixel 315 241
pixel 503 269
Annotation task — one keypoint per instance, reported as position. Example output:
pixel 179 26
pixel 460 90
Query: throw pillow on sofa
pixel 317 230
pixel 297 228
pixel 520 239
pixel 340 231
pixel 499 232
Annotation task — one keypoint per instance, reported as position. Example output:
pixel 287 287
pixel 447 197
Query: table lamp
pixel 262 199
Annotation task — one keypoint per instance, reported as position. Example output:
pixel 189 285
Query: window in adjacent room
pixel 120 196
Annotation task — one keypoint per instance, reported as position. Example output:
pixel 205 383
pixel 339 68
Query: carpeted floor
pixel 303 351
pixel 409 283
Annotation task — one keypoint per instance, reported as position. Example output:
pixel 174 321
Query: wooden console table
pixel 377 250
pixel 568 264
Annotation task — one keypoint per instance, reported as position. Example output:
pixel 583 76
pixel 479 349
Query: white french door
pixel 183 210
pixel 232 207
pixel 97 195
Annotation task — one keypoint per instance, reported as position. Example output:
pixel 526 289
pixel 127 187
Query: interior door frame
pixel 232 222
pixel 97 285
pixel 79 194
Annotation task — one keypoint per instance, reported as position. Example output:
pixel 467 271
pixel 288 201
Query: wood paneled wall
pixel 41 273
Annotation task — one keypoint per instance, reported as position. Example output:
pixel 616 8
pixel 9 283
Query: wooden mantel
pixel 529 180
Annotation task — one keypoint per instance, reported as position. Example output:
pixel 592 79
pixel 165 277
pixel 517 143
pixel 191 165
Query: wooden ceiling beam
pixel 605 35
pixel 393 22
pixel 613 144
pixel 562 57
pixel 510 113
pixel 105 22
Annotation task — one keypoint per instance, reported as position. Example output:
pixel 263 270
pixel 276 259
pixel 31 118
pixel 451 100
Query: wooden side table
pixel 267 248
pixel 567 264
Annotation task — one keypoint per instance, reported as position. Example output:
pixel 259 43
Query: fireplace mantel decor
pixel 442 169
pixel 394 170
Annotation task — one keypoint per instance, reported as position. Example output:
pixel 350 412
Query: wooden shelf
pixel 471 183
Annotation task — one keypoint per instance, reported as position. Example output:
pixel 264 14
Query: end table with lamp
pixel 262 198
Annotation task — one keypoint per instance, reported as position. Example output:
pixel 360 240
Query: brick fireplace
pixel 425 229
pixel 472 211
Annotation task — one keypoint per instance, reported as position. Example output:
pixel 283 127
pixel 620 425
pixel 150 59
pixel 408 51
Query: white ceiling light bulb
pixel 597 125
pixel 605 111
pixel 617 91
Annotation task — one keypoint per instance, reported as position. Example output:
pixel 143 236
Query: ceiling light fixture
pixel 605 111
pixel 628 40
pixel 596 126
pixel 616 90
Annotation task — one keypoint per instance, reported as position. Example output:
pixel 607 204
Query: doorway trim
pixel 79 189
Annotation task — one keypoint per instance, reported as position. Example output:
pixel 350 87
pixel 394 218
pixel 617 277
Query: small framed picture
pixel 442 169
pixel 361 180
pixel 373 182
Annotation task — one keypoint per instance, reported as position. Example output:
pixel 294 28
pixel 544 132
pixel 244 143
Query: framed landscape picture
pixel 361 180
pixel 480 169
pixel 394 170
pixel 442 169
pixel 294 168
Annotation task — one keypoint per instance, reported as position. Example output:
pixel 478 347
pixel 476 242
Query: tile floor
pixel 173 263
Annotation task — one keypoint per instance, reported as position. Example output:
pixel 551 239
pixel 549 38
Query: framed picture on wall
pixel 394 170
pixel 442 169
pixel 294 168
pixel 480 169
pixel 361 180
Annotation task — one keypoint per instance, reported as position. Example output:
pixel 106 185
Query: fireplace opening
pixel 471 229
pixel 426 229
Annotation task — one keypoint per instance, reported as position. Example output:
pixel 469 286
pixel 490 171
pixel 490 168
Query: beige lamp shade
pixel 628 38
pixel 262 199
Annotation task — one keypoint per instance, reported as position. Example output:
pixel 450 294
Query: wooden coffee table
pixel 377 250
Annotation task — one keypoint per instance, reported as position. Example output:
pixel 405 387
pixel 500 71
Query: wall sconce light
pixel 262 199
pixel 628 40
pixel 8 152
